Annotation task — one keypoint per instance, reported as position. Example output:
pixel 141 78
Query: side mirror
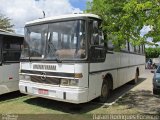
pixel 152 71
pixel 110 45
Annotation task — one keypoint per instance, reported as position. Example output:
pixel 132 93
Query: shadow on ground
pixel 10 96
pixel 62 106
pixel 143 100
pixel 123 90
pixel 80 108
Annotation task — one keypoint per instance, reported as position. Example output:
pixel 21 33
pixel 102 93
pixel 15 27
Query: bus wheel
pixel 105 91
pixel 155 92
pixel 135 79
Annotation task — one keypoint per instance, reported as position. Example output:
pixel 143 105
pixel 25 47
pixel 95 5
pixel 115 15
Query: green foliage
pixel 123 19
pixel 152 52
pixel 5 23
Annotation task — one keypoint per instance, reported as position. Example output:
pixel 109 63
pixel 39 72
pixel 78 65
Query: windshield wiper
pixel 53 50
pixel 58 60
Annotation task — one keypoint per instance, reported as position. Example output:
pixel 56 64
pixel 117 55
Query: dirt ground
pixel 141 96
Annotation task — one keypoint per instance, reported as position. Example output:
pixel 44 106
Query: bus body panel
pixel 123 64
pixel 50 67
pixel 72 94
pixel 9 72
pixel 30 87
pixel 10 50
pixel 120 75
pixel 7 87
pixel 9 77
pixel 82 68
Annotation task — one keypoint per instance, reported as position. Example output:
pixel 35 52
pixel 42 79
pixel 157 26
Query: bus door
pixel 97 56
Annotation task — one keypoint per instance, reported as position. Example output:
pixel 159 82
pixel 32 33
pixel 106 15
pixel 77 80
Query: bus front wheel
pixel 105 91
pixel 135 79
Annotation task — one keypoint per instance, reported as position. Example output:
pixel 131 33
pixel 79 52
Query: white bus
pixel 65 59
pixel 10 51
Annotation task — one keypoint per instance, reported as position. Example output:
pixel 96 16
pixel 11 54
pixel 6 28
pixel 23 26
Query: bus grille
pixel 47 80
pixel 44 67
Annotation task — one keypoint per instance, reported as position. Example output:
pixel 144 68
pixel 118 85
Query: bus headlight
pixel 21 77
pixel 24 77
pixel 69 82
pixel 27 77
pixel 65 82
pixel 74 82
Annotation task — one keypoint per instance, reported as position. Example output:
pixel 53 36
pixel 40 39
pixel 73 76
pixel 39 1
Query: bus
pixel 10 51
pixel 65 59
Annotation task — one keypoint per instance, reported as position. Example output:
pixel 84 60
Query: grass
pixel 25 104
pixel 29 107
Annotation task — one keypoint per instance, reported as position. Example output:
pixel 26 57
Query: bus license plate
pixel 43 92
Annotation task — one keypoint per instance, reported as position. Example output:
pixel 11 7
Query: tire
pixel 135 79
pixel 155 92
pixel 105 91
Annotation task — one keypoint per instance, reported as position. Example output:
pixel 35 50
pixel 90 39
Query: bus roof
pixel 56 18
pixel 11 34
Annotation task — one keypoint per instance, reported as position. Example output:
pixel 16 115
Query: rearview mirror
pixel 152 71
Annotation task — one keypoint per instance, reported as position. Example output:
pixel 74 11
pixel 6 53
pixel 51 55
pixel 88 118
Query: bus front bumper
pixel 66 94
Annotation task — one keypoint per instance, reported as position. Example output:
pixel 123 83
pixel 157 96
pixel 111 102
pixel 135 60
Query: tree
pixel 5 23
pixel 152 52
pixel 124 19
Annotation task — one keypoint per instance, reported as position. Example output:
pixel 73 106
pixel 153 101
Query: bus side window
pixel 97 35
pixel 131 47
pixel 136 49
pixel 125 47
pixel 95 40
pixel 11 49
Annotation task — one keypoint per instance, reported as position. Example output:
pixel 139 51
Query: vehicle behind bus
pixel 10 51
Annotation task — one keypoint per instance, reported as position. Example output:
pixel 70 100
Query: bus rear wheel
pixel 105 91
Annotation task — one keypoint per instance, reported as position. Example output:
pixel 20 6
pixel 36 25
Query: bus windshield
pixel 59 40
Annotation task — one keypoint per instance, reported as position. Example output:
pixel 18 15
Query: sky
pixel 22 11
pixel 145 30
